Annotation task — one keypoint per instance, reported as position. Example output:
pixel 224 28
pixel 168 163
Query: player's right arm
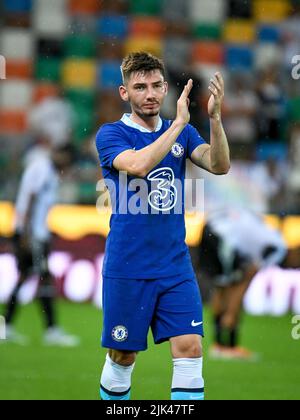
pixel 140 163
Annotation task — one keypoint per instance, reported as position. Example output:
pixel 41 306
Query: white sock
pixel 188 382
pixel 115 379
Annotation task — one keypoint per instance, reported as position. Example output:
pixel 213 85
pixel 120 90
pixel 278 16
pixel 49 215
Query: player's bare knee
pixel 189 348
pixel 195 351
pixel 123 358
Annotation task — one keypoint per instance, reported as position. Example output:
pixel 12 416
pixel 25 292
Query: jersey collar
pixel 127 120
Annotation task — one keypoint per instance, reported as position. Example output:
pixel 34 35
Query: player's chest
pixel 176 158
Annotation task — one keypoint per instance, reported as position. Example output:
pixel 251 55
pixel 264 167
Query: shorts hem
pixel 167 338
pixel 117 347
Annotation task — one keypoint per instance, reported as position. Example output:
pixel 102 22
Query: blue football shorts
pixel 171 307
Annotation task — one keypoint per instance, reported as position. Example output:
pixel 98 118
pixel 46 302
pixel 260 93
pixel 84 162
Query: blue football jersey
pixel 147 236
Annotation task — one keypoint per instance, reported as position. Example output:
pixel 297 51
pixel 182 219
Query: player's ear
pixel 166 84
pixel 124 93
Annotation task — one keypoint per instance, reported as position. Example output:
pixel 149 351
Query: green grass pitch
pixel 41 373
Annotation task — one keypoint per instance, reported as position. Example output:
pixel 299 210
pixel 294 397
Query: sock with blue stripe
pixel 115 381
pixel 188 383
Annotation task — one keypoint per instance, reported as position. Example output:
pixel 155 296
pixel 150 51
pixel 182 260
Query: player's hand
pixel 183 114
pixel 216 87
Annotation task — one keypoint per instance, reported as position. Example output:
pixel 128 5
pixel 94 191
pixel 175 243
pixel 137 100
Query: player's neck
pixel 150 123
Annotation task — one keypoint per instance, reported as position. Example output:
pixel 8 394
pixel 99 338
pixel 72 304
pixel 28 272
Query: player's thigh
pixel 128 308
pixel 179 311
pixel 186 346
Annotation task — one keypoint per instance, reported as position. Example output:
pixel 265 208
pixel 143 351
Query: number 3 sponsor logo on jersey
pixel 164 198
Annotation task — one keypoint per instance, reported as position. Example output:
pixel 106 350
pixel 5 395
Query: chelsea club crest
pixel 120 333
pixel 177 150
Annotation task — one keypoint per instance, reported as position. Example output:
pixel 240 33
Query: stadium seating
pixel 79 73
pixel 239 9
pixel 267 54
pixel 109 75
pixel 49 48
pixel 207 31
pixel 80 97
pixel 83 24
pixel 208 53
pixel 13 122
pixel 48 69
pixel 50 19
pixel 269 33
pixel 44 90
pixel 84 123
pixel 83 46
pixel 88 7
pixel 16 95
pixel 209 11
pixel 239 32
pixel 19 69
pixel 68 38
pixel 141 26
pixel 239 57
pixel 113 26
pixel 141 43
pixel 17 44
pixel 75 48
pixel 145 7
pixel 267 11
pixel 176 13
pixel 17 6
pixel 176 50
pixel 294 110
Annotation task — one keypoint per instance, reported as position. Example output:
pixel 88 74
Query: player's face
pixel 146 93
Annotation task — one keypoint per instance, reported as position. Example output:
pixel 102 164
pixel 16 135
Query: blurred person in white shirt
pixel 37 194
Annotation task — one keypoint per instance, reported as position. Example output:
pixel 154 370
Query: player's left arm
pixel 215 157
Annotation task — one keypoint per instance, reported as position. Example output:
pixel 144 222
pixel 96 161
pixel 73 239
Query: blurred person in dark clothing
pixel 236 245
pixel 272 108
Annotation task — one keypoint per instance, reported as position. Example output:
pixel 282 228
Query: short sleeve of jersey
pixel 110 142
pixel 194 140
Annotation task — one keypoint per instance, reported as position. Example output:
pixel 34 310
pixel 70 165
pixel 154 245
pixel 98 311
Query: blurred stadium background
pixel 62 73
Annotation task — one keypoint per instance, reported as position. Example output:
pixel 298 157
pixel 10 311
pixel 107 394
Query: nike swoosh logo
pixel 196 324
